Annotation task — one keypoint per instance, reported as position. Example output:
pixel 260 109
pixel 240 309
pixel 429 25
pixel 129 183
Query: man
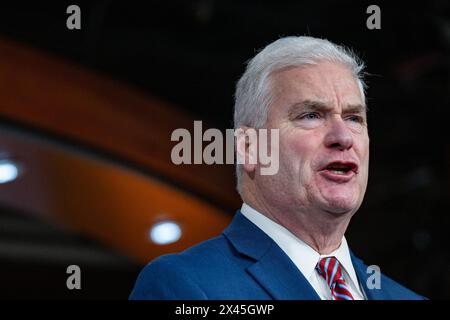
pixel 287 241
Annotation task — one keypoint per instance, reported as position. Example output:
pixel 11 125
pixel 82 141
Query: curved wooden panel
pixel 44 92
pixel 110 203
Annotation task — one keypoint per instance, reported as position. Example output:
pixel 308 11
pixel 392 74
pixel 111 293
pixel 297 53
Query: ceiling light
pixel 8 171
pixel 165 232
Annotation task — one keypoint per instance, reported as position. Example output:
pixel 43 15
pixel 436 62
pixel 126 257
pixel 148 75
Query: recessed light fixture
pixel 8 171
pixel 165 232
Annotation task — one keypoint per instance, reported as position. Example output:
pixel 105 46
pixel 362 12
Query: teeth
pixel 337 171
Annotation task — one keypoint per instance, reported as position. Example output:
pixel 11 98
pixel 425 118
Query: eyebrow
pixel 311 105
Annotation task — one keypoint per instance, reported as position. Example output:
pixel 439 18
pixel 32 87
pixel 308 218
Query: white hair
pixel 253 90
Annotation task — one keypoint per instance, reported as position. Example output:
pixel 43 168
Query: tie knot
pixel 330 269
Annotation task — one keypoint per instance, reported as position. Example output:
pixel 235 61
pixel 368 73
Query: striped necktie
pixel 330 269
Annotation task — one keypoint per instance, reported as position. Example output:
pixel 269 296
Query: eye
pixel 356 118
pixel 310 116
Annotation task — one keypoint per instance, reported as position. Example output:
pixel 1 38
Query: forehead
pixel 329 82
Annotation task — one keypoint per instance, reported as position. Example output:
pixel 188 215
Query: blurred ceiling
pixel 191 53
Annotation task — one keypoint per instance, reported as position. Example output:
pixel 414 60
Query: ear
pixel 247 148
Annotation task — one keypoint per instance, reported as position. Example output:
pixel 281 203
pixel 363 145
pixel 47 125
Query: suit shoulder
pixel 160 278
pixel 193 257
pixel 398 291
pixel 164 279
pixel 388 288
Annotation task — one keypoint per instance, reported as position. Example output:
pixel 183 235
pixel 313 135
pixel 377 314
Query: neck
pixel 321 230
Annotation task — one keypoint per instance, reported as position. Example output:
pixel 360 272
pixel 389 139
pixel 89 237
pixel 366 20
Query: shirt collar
pixel 342 254
pixel 301 254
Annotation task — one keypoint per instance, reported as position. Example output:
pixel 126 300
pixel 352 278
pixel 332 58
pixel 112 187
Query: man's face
pixel 324 143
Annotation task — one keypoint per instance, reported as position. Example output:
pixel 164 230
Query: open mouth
pixel 341 168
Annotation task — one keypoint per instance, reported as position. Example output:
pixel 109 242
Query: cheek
pixel 297 152
pixel 364 152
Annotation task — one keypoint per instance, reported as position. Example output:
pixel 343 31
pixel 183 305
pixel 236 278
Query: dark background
pixel 191 53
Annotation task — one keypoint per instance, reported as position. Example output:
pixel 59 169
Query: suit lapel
pixel 361 272
pixel 272 268
pixel 276 273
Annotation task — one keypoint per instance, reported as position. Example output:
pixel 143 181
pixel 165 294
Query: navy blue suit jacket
pixel 242 263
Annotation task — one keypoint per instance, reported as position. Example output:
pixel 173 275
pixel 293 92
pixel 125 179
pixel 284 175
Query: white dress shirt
pixel 305 257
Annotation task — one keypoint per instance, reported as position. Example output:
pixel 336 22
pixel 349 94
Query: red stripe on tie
pixel 338 287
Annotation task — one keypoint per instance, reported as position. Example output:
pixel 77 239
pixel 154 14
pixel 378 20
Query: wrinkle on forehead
pixel 327 82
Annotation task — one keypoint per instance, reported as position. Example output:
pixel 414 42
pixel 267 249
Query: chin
pixel 340 209
pixel 341 205
pixel 340 199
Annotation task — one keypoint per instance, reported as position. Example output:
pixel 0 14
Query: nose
pixel 338 135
